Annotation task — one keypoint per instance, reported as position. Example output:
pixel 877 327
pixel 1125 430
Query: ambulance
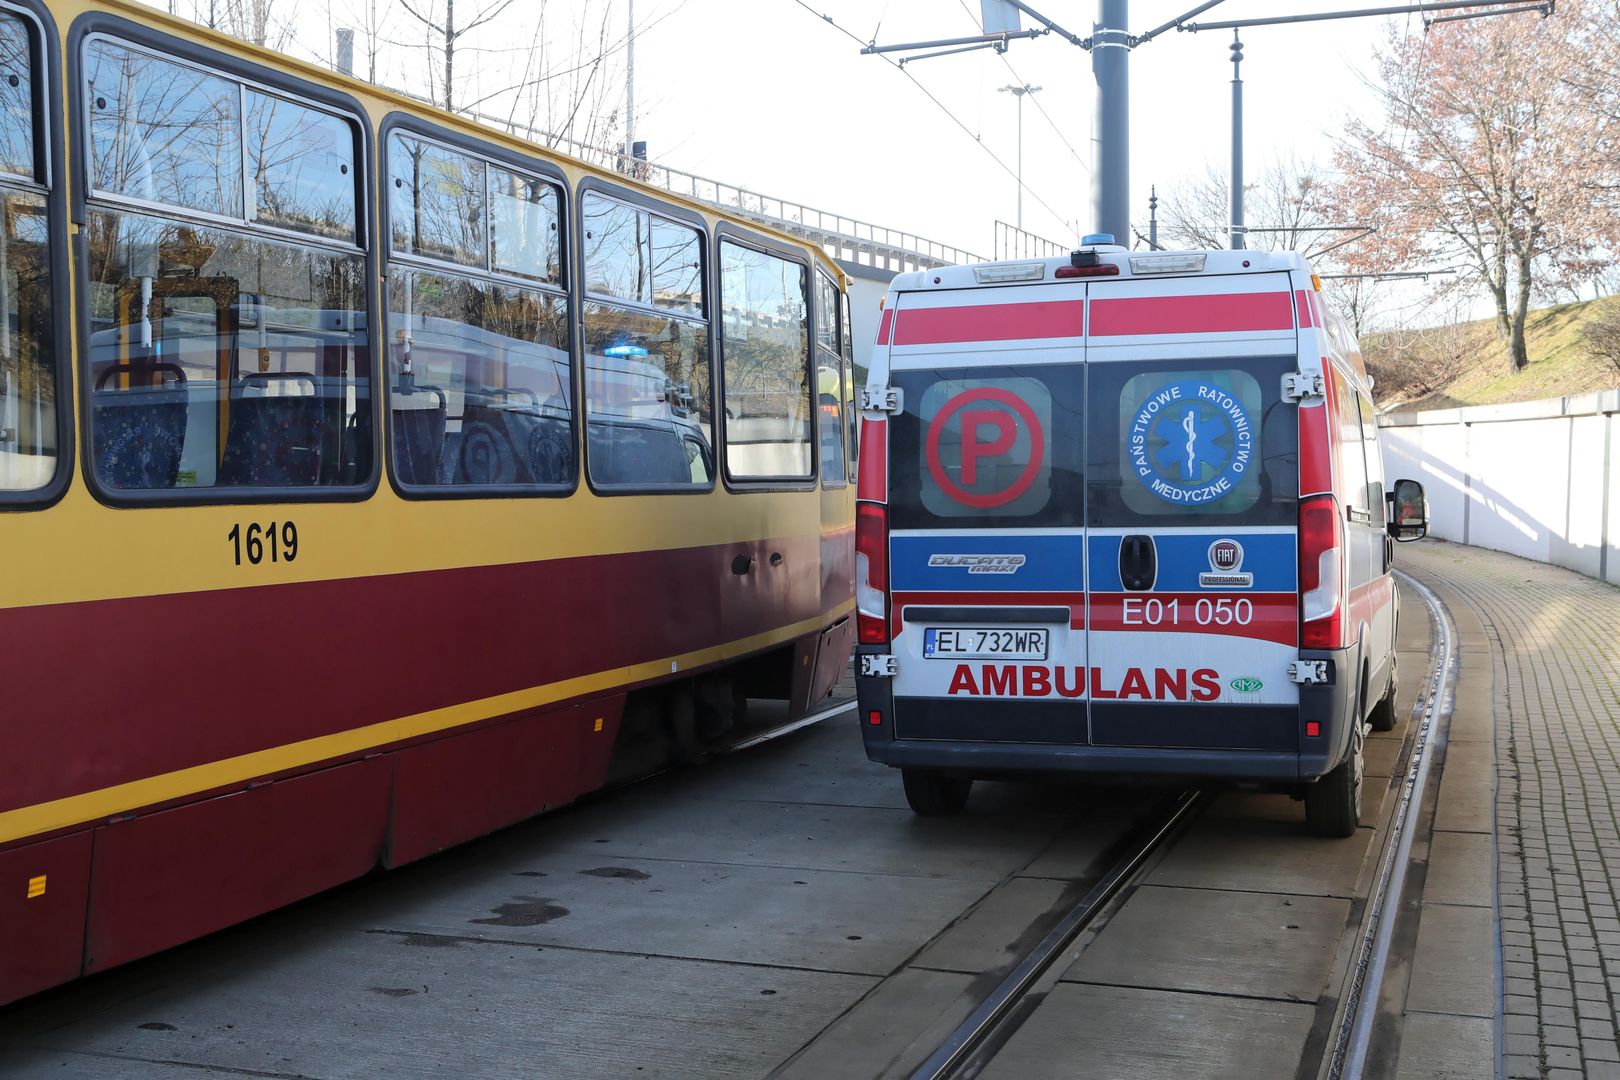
pixel 1123 514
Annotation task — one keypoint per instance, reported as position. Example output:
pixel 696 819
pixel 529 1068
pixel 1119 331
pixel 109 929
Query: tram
pixel 369 480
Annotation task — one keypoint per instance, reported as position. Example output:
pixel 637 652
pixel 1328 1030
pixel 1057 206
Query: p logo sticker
pixel 985 447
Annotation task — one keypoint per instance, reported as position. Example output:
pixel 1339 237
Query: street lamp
pixel 1019 92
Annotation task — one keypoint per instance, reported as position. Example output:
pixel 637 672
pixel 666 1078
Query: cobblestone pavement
pixel 1555 644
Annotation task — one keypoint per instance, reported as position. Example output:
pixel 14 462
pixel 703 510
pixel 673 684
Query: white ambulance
pixel 1123 514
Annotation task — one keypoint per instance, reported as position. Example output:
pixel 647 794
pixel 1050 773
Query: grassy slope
pixel 1559 362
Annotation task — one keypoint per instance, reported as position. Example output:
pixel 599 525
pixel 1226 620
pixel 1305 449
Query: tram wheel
pixel 933 794
pixel 1333 803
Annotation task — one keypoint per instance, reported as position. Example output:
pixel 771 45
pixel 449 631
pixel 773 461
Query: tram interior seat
pixel 277 428
pixel 638 453
pixel 419 435
pixel 139 431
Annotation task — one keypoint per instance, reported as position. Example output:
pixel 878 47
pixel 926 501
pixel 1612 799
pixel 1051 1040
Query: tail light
pixel 872 573
pixel 1321 570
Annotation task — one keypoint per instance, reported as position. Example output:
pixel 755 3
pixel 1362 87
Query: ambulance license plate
pixel 982 643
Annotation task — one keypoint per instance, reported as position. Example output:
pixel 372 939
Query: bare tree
pixel 1289 195
pixel 444 34
pixel 1484 159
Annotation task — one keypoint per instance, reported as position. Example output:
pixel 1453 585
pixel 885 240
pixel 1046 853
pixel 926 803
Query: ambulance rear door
pixel 986 501
pixel 1192 513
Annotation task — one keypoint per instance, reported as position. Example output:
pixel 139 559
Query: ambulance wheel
pixel 1383 716
pixel 1333 803
pixel 933 794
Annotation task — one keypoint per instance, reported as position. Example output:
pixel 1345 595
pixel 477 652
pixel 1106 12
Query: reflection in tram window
pixel 16 98
pixel 524 237
pixel 437 202
pixel 219 359
pixel 647 381
pixel 28 404
pixel 162 131
pixel 300 168
pixel 764 349
pixel 854 379
pixel 479 383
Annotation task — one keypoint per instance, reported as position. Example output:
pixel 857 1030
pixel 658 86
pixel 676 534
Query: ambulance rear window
pixel 988 447
pixel 1189 442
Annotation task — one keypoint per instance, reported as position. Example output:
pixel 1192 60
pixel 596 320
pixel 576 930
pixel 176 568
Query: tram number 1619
pixel 259 543
pixel 1207 611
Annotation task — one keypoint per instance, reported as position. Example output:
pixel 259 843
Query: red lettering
pixel 973 449
pixel 1000 680
pixel 1206 685
pixel 1037 682
pixel 1135 685
pixel 1173 681
pixel 1097 690
pixel 962 681
pixel 1079 687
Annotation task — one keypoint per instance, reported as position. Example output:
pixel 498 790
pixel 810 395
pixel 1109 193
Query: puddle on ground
pixel 524 911
pixel 624 873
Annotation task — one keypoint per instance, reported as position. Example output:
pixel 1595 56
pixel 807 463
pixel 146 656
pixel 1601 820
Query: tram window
pixel 648 403
pixel 222 360
pixel 301 166
pixel 524 237
pixel 765 347
pixel 16 98
pixel 480 388
pixel 162 131
pixel 28 437
pixel 677 262
pixel 829 383
pixel 436 202
pixel 616 254
pixel 826 313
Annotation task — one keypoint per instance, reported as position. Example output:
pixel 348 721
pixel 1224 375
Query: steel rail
pixel 1354 1037
pixel 975 1032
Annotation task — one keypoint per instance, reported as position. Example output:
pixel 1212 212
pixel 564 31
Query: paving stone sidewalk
pixel 1555 648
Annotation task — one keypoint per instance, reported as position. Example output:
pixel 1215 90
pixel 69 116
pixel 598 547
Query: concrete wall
pixel 1539 479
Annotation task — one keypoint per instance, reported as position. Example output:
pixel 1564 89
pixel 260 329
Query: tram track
pixel 966 1050
pixel 1348 1057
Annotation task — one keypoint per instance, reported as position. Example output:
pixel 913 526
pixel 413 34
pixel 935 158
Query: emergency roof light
pixel 1001 273
pixel 1167 264
pixel 1092 239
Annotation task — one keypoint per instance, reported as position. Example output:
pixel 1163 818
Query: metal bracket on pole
pixel 1359 13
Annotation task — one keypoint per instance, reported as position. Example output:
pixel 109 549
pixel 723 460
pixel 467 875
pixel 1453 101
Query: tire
pixel 933 794
pixel 1333 803
pixel 1383 717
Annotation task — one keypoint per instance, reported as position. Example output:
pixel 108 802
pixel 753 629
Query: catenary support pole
pixel 630 87
pixel 1238 239
pixel 1111 137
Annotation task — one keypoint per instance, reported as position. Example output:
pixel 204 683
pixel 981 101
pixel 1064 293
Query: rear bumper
pixel 1328 705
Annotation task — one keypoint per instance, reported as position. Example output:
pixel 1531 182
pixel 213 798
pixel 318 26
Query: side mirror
pixel 1409 511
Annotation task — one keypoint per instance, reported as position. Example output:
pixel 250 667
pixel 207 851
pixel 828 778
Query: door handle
pixel 742 565
pixel 1138 563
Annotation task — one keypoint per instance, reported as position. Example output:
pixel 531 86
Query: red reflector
pixel 1100 270
pixel 1313 729
pixel 874 718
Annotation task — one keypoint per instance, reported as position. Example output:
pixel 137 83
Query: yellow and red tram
pixel 369 480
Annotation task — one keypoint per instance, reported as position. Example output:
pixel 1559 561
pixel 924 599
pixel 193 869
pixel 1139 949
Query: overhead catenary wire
pixel 929 94
pixel 1021 81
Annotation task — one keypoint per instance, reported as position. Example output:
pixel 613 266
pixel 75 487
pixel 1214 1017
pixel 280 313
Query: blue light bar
pixel 1096 238
pixel 624 350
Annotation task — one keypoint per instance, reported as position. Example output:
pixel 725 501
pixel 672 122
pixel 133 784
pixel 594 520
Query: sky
pixel 766 94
